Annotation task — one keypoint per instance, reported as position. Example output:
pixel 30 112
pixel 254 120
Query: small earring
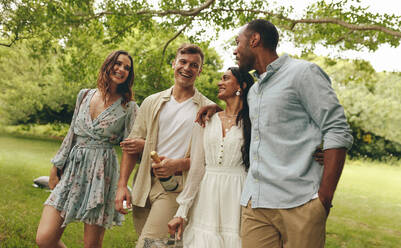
pixel 238 92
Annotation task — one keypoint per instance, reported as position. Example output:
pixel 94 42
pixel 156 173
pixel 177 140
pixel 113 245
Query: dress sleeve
pixel 130 118
pixel 195 175
pixel 61 156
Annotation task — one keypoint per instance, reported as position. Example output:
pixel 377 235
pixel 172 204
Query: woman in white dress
pixel 219 161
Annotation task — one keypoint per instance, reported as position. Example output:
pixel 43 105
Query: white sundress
pixel 214 204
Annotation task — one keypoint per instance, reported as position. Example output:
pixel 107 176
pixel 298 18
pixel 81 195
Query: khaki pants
pixel 151 221
pixel 300 227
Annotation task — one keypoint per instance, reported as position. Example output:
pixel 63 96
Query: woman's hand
pixel 318 155
pixel 53 178
pixel 122 194
pixel 133 146
pixel 176 225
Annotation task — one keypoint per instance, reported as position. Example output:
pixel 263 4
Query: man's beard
pixel 247 62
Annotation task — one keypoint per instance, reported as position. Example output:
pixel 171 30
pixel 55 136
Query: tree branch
pixel 355 27
pixel 294 22
pixel 351 26
pixel 173 38
pixel 12 41
pixel 191 12
pixel 342 37
pixel 165 48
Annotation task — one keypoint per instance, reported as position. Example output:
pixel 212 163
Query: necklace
pixel 228 121
pixel 229 116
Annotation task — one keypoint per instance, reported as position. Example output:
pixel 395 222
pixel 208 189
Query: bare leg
pixel 50 230
pixel 93 236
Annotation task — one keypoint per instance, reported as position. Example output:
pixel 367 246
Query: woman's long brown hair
pixel 104 81
pixel 245 81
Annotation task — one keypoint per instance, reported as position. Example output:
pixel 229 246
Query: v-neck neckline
pixel 221 128
pixel 104 110
pixel 180 103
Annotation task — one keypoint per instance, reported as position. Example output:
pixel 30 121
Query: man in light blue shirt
pixel 293 109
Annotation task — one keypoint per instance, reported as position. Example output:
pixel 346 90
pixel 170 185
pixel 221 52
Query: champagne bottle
pixel 170 183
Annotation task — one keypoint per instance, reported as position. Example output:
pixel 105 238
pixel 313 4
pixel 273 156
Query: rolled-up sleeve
pixel 321 102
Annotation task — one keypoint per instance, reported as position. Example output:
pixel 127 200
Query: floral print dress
pixel 88 185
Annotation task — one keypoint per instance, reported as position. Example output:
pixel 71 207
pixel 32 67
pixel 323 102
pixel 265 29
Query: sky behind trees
pixel 386 58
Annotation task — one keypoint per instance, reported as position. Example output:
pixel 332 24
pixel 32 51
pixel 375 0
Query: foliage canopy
pixel 344 23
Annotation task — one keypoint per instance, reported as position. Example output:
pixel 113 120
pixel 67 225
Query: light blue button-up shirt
pixel 293 109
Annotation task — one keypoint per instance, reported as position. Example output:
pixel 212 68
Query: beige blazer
pixel 146 127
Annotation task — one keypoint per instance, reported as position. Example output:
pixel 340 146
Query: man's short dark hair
pixel 190 49
pixel 268 33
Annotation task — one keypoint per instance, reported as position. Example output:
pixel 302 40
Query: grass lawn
pixel 21 161
pixel 367 207
pixel 366 212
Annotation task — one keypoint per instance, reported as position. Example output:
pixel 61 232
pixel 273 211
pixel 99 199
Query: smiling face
pixel 187 68
pixel 120 70
pixel 243 54
pixel 228 86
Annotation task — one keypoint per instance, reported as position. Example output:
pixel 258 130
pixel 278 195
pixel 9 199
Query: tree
pixel 41 87
pixel 342 23
pixel 372 105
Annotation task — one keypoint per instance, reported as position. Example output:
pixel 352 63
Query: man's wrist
pixel 325 199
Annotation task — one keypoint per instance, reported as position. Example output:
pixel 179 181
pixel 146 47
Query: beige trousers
pixel 151 221
pixel 300 227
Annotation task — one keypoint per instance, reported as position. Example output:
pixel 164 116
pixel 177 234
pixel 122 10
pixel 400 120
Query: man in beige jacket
pixel 165 120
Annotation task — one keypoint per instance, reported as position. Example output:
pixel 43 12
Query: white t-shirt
pixel 176 122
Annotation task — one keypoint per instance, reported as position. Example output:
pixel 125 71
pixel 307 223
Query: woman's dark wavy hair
pixel 104 81
pixel 245 80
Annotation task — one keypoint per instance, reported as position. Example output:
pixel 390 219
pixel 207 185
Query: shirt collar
pixel 196 98
pixel 272 68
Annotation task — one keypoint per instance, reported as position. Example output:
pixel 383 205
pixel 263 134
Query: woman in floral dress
pixel 86 190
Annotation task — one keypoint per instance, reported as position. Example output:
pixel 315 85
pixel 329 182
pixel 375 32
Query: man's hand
pixel 166 168
pixel 318 155
pixel 122 194
pixel 333 165
pixel 205 113
pixel 176 225
pixel 132 146
pixel 53 178
pixel 326 203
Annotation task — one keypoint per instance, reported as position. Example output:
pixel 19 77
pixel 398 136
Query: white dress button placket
pixel 220 156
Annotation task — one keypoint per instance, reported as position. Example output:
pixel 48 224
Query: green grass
pixel 366 212
pixel 21 161
pixel 367 207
